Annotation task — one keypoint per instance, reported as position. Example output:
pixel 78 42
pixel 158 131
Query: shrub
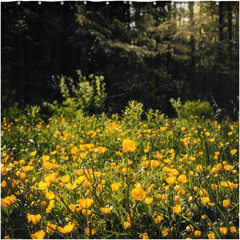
pixel 30 114
pixel 132 113
pixel 192 109
pixel 12 112
pixel 87 95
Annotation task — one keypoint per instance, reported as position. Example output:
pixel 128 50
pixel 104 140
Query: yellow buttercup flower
pixel 177 198
pixel 203 192
pixel 181 192
pixel 149 201
pixel 189 228
pixel 50 195
pixel 116 186
pixel 47 165
pixel 86 212
pixel 50 228
pixel 85 203
pixel 45 158
pixel 165 232
pixel 207 134
pixel 229 184
pixel 97 174
pixel 75 151
pixel 224 184
pixel 234 151
pixel 101 150
pixel 72 207
pixel 65 179
pixel 223 230
pixel 82 155
pixel 159 196
pixel 128 145
pixel 214 171
pixel 228 167
pixel 182 178
pixel 199 168
pixel 211 235
pixel 3 184
pixel 197 234
pixel 38 235
pixel 93 231
pixel 43 185
pixel 127 225
pixel 34 218
pixel 233 230
pixel 158 219
pixel 66 229
pixel 57 133
pixel 138 193
pixel 119 153
pixel 191 173
pixel 79 172
pixel 144 236
pixel 87 184
pixel 4 170
pixel 79 180
pixel 27 168
pixel 154 164
pixel 226 203
pixel 173 172
pixel 106 210
pixel 53 152
pixel 177 209
pixel 145 164
pixel 71 186
pixel 8 201
pixel 51 205
pixel 171 180
pixel 205 200
pixel 33 154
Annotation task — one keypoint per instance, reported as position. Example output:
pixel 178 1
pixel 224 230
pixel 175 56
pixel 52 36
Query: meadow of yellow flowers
pixel 100 177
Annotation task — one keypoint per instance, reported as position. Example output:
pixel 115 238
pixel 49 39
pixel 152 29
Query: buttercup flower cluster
pixel 100 177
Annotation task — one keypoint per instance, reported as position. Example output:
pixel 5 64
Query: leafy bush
pixel 192 109
pixel 132 113
pixel 68 108
pixel 156 115
pixel 87 95
pixel 30 114
pixel 12 112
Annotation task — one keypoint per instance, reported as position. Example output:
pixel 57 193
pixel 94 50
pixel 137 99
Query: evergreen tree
pixel 145 51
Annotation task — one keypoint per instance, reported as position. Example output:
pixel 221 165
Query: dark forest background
pixel 148 52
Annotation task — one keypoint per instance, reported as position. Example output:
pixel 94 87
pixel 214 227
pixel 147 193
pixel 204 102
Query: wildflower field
pixel 119 177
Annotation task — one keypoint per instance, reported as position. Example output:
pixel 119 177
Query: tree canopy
pixel 149 52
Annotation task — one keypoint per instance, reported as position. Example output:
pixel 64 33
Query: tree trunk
pixel 230 28
pixel 192 45
pixel 221 16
